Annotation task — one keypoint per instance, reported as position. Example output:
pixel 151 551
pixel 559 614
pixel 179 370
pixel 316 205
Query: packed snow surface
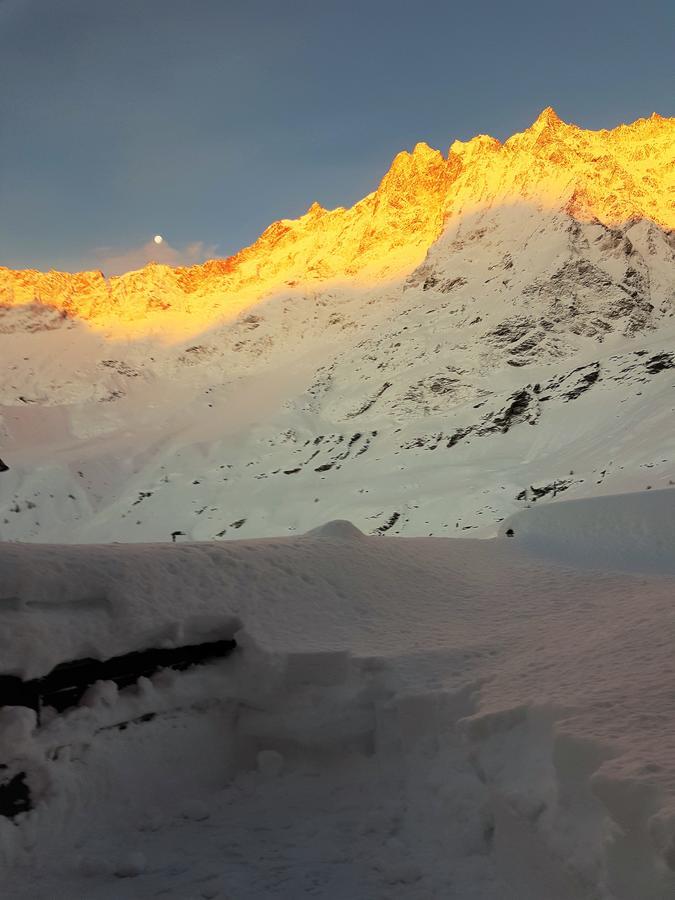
pixel 402 717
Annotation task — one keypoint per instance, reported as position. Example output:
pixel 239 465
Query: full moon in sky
pixel 158 239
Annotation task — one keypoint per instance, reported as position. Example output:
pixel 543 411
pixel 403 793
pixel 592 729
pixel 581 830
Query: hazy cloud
pixel 115 262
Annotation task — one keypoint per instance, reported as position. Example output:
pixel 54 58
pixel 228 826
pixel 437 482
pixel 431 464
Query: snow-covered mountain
pixel 484 331
pixel 328 713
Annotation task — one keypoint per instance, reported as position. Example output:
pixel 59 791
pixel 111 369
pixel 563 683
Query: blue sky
pixel 205 120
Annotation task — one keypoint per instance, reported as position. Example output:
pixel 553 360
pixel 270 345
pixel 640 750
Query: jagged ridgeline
pixel 613 177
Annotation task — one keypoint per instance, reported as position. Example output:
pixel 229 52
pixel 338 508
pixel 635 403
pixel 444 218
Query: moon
pixel 158 239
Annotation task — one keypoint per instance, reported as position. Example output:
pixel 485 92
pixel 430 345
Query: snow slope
pixel 415 717
pixel 530 355
pixel 485 330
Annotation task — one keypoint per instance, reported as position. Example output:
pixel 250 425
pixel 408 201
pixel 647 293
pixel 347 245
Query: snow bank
pixel 624 531
pixel 67 603
pixel 447 704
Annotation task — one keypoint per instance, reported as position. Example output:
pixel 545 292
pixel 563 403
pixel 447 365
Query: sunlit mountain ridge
pixel 610 176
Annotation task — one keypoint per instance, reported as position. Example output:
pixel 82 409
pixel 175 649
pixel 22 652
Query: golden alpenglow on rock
pixel 613 176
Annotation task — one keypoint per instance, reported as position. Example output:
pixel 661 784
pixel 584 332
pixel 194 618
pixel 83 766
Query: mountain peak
pixel 547 118
pixel 421 155
pixel 421 148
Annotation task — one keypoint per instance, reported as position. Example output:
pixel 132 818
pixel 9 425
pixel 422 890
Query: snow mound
pixel 339 529
pixel 628 532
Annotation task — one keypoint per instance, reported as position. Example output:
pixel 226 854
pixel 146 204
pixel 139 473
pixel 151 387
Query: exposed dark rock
pixel 366 444
pixel 511 330
pixel 391 521
pixel 653 365
pixel 366 406
pixel 196 354
pixel 573 383
pixel 522 406
pixel 66 684
pixel 451 283
pixel 534 493
pixel 529 343
pixel 458 436
pixel 587 378
pixel 120 367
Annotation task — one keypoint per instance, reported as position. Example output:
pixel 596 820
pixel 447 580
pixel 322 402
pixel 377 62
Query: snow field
pixel 401 718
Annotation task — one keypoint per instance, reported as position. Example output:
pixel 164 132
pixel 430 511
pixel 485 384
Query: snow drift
pixel 404 717
pixel 626 531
